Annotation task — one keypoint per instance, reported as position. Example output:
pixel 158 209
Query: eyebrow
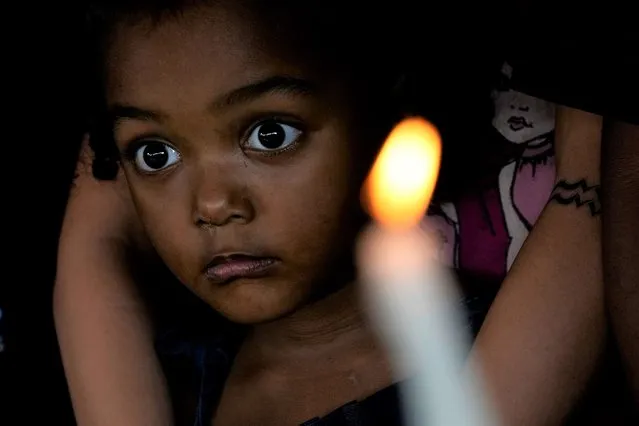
pixel 285 85
pixel 119 112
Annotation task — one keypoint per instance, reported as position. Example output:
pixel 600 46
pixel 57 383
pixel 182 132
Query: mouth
pixel 518 123
pixel 226 268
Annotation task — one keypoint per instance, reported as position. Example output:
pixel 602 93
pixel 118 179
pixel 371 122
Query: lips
pixel 518 123
pixel 226 268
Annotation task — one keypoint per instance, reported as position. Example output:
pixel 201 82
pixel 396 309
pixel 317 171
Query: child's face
pixel 232 150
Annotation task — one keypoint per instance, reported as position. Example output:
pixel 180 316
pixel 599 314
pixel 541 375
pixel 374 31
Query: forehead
pixel 201 52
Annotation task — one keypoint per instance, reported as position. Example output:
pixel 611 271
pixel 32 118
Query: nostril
pixel 203 222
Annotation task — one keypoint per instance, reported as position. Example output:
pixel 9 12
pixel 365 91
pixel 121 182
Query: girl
pixel 243 148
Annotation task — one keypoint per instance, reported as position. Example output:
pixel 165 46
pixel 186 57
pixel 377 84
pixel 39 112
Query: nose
pixel 221 199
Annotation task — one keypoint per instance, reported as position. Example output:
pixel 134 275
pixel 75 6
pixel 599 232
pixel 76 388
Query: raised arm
pixel 545 332
pixel 105 334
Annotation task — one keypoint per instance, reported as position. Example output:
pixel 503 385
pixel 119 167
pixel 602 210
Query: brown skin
pixel 298 205
pixel 545 332
pixel 223 197
pixel 621 241
pixel 98 307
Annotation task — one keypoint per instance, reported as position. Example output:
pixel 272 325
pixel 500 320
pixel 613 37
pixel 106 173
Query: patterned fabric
pixel 483 231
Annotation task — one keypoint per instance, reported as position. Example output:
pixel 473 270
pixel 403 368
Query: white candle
pixel 412 299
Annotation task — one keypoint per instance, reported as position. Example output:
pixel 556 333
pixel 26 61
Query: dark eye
pixel 272 136
pixel 155 156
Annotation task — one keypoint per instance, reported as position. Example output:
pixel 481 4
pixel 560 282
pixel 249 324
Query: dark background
pixel 584 58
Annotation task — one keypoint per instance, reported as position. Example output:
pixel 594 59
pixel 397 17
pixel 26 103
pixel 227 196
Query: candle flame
pixel 402 180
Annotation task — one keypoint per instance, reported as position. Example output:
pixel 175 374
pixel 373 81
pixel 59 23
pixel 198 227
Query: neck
pixel 325 324
pixel 538 146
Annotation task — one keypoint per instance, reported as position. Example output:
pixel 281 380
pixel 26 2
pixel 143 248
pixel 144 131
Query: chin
pixel 514 137
pixel 252 302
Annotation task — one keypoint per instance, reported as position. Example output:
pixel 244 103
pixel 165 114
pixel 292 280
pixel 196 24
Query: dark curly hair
pixel 370 52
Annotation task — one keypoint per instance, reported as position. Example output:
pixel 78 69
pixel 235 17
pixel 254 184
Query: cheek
pixel 166 219
pixel 315 201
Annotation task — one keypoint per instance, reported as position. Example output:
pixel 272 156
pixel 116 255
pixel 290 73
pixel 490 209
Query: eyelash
pixel 132 147
pixel 267 118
